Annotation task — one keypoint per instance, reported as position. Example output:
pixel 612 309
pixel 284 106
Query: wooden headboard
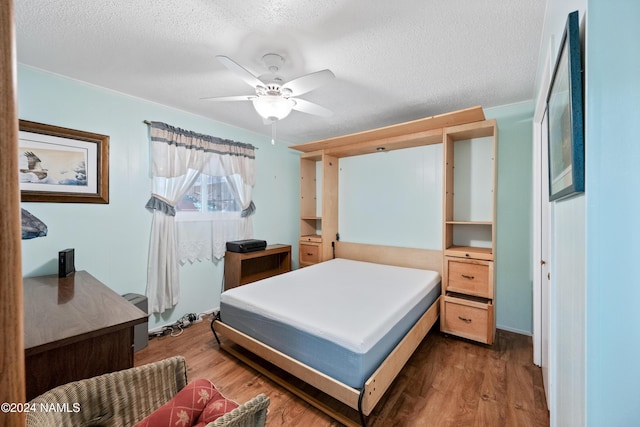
pixel 426 259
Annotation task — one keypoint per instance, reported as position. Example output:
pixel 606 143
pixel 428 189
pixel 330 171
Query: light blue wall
pixel 392 198
pixel 395 198
pixel 612 204
pixel 513 270
pixel 111 241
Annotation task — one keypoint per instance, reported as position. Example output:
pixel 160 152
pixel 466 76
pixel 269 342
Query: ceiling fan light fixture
pixel 273 107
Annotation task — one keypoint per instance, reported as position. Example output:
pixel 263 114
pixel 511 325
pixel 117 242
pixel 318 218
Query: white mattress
pixel 351 303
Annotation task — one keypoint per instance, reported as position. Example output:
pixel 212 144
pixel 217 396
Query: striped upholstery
pixel 125 397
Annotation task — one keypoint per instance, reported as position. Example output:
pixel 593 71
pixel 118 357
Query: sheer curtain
pixel 205 239
pixel 204 236
pixel 178 157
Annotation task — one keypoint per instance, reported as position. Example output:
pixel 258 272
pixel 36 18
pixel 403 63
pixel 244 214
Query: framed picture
pixel 565 117
pixel 62 165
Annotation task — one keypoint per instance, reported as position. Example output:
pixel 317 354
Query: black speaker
pixel 66 263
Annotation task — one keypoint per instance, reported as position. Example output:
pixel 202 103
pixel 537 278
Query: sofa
pixel 126 397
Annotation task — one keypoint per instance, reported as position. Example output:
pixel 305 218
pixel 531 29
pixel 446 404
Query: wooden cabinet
pixel 243 268
pixel 469 230
pixel 318 207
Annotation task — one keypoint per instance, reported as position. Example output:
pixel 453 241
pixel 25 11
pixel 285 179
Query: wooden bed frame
pixel 374 388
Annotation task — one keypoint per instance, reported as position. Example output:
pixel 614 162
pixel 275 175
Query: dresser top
pixel 60 311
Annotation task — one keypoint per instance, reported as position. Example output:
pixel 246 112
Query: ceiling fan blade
pixel 311 108
pixel 308 82
pixel 240 71
pixel 230 98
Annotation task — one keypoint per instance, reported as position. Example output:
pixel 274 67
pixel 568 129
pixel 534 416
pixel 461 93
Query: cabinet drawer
pixel 473 277
pixel 309 253
pixel 468 319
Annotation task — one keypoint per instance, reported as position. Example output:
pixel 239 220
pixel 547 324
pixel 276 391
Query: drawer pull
pixel 464 319
pixel 309 254
pixel 466 276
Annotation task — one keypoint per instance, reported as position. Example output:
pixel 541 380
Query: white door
pixel 541 251
pixel 545 279
pixel 542 224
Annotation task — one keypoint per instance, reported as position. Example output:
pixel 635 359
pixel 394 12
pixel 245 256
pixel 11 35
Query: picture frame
pixel 61 165
pixel 565 117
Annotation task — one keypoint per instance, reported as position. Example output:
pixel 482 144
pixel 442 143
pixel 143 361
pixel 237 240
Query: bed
pixel 363 318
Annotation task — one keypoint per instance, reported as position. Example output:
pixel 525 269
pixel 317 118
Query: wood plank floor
pixel 447 382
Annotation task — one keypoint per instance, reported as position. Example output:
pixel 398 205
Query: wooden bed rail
pixel 383 377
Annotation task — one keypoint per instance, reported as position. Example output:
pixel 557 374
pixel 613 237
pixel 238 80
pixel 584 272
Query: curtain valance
pixel 175 150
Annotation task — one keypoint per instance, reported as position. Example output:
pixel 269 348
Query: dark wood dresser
pixel 74 328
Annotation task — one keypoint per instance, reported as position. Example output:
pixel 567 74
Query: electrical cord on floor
pixel 176 328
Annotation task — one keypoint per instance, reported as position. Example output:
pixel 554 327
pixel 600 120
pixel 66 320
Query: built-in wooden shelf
pixel 468 285
pixel 243 268
pixel 469 222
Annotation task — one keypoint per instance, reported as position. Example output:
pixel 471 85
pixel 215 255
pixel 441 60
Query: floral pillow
pixel 186 406
pixel 214 410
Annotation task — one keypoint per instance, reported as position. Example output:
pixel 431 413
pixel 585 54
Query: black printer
pixel 249 245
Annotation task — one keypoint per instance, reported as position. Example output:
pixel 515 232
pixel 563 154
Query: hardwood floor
pixel 447 382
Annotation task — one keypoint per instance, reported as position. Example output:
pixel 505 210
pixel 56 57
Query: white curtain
pixel 243 193
pixel 178 158
pixel 200 240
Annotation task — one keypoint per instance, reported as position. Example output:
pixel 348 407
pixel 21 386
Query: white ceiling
pixel 394 60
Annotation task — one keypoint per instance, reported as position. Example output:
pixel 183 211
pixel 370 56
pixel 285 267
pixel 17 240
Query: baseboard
pixel 514 330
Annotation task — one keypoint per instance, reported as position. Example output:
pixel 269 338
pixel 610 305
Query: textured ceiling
pixel 394 60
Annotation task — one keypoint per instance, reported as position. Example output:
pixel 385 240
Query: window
pixel 208 216
pixel 209 194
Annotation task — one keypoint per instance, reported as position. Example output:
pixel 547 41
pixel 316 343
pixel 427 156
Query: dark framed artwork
pixel 565 117
pixel 62 165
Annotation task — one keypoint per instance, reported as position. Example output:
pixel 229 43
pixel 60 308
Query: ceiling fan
pixel 274 99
